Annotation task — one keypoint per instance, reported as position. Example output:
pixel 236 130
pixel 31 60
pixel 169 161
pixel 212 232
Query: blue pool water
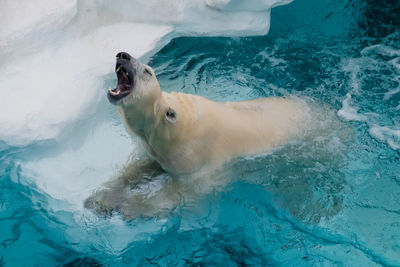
pixel 333 199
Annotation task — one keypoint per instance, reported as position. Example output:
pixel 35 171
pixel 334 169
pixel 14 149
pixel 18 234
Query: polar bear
pixel 184 134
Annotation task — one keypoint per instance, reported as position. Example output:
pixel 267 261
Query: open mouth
pixel 124 84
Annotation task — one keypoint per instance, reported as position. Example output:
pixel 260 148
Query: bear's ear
pixel 171 115
pixel 146 70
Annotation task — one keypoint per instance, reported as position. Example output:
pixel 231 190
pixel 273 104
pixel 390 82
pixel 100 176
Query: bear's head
pixel 139 98
pixel 136 85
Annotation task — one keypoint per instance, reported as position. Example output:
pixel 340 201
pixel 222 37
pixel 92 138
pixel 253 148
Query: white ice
pixel 45 92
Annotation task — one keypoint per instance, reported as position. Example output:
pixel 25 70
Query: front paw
pixel 102 203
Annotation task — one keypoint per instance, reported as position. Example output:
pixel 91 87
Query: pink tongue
pixel 122 88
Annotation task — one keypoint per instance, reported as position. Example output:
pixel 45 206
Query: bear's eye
pixel 171 115
pixel 146 70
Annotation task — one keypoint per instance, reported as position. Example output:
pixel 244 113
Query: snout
pixel 124 56
pixel 125 70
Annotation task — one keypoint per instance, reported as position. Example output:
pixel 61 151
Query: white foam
pixel 395 90
pixel 386 135
pixel 391 93
pixel 373 59
pixel 349 112
pixel 381 50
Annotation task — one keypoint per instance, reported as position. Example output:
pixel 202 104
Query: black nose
pixel 124 55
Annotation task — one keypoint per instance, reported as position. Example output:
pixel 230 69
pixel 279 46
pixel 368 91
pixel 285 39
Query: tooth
pixel 119 68
pixel 112 92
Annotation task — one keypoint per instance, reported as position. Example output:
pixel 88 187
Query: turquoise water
pixel 330 200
